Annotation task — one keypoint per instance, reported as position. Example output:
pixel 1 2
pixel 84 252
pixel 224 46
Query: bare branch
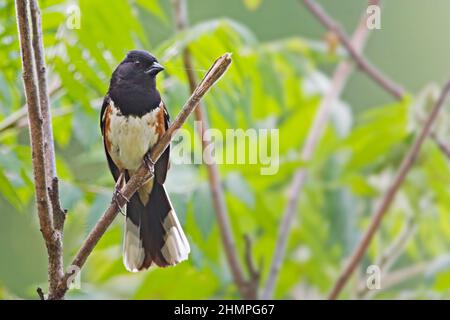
pixel 143 174
pixel 38 49
pixel 389 196
pixel 338 82
pixel 382 80
pixel 37 139
pixel 55 247
pixel 35 119
pixel 246 290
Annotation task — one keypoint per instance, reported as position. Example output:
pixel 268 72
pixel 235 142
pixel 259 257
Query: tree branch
pixel 389 196
pixel 246 288
pixel 37 139
pixel 382 80
pixel 55 252
pixel 143 174
pixel 338 82
pixel 38 49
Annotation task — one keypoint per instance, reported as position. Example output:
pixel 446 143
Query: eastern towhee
pixel 132 119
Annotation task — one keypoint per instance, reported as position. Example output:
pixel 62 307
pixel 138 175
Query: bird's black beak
pixel 154 69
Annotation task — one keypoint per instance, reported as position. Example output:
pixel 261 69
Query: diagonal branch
pixel 382 80
pixel 143 174
pixel 246 289
pixel 338 82
pixel 389 196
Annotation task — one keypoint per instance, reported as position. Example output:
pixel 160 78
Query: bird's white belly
pixel 131 137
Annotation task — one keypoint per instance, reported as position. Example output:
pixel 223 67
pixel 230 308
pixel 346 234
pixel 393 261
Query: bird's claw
pixel 149 163
pixel 116 195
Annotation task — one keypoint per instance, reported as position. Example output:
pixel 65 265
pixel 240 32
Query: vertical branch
pixel 389 196
pixel 36 137
pixel 246 289
pixel 38 49
pixel 337 85
pixel 55 252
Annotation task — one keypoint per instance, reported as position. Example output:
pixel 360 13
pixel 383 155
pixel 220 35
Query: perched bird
pixel 133 118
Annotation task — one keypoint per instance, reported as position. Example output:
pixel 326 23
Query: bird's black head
pixel 141 64
pixel 133 83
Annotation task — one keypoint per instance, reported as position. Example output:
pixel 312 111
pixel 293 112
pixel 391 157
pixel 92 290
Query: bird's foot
pixel 118 199
pixel 149 163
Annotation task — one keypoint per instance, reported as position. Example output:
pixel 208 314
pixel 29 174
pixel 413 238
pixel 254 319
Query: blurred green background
pixel 280 72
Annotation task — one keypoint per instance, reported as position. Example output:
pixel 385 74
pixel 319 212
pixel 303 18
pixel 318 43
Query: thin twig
pixel 445 148
pixel 389 196
pixel 386 83
pixel 338 82
pixel 407 273
pixel 253 270
pixel 246 289
pixel 38 49
pixel 40 293
pixel 143 174
pixel 19 116
pixel 388 257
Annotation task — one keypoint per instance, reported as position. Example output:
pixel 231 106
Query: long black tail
pixel 153 233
